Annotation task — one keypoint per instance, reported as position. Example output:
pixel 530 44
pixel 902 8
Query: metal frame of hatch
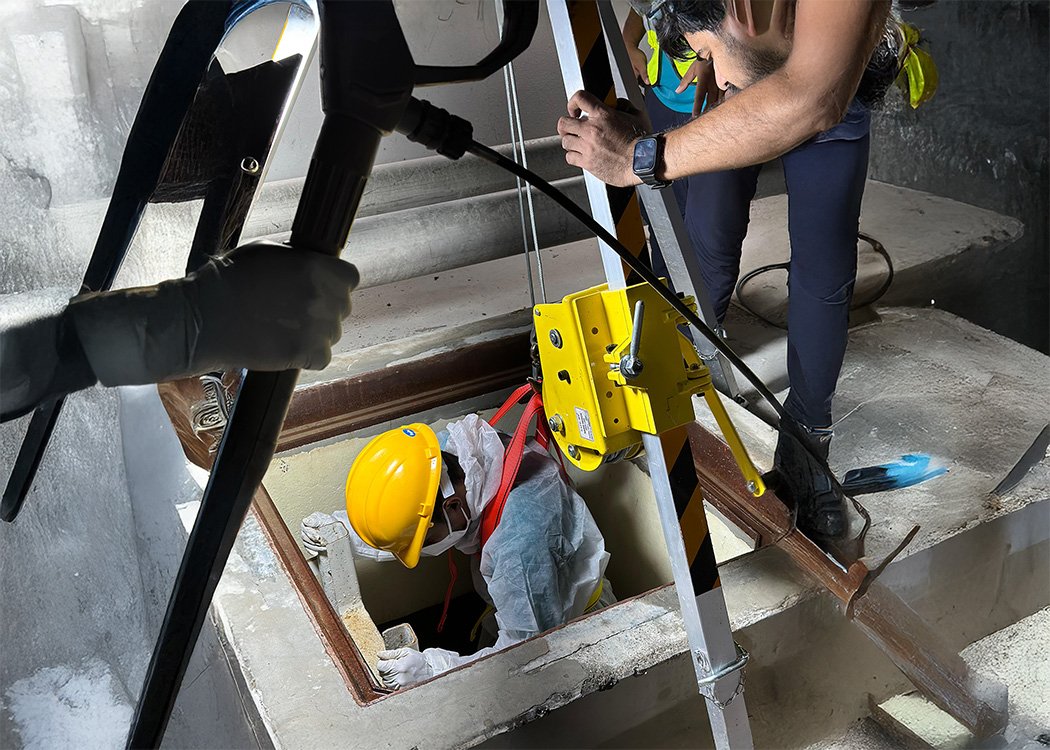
pixel 346 405
pixel 341 407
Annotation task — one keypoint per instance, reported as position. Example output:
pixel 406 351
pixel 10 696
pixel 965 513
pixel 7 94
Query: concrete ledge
pixel 811 671
pixel 927 237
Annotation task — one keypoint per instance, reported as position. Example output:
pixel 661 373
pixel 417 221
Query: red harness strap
pixel 512 458
pixel 490 517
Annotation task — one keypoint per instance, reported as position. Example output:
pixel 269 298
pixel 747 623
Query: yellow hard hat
pixel 392 488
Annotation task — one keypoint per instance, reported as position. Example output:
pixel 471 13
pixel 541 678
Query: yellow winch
pixel 615 365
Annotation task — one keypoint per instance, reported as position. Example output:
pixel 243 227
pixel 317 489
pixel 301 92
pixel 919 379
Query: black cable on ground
pixel 786 266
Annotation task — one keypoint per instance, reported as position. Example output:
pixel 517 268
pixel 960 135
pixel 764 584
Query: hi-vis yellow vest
pixel 918 73
pixel 653 70
pixel 917 77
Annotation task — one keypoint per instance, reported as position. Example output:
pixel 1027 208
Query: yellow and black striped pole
pixel 623 202
pixel 598 80
pixel 585 64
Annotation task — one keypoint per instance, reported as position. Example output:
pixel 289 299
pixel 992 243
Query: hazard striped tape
pixel 685 487
pixel 598 80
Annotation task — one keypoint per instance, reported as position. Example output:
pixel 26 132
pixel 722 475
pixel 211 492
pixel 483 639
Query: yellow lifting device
pixel 616 365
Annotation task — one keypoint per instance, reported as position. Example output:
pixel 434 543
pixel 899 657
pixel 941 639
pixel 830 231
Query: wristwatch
pixel 648 158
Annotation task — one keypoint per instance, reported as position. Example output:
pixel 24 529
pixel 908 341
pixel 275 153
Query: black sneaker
pixel 803 482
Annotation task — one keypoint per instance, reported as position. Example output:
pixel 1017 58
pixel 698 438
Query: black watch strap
pixel 648 158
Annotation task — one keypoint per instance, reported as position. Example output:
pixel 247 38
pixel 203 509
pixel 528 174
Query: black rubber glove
pixel 264 306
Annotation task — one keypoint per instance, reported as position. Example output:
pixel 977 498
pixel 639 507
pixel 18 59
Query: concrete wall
pixel 449 32
pixel 74 72
pixel 984 140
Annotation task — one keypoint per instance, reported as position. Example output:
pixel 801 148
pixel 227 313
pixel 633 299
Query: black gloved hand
pixel 265 306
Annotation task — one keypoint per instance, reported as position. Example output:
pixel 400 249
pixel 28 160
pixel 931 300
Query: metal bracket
pixel 709 684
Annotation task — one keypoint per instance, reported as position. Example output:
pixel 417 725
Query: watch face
pixel 645 156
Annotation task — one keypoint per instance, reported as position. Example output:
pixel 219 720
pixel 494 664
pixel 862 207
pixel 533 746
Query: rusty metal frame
pixel 342 406
pixel 337 641
pixel 337 407
pixel 935 669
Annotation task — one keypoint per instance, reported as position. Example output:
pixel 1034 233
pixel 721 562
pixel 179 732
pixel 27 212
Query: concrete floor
pixel 913 380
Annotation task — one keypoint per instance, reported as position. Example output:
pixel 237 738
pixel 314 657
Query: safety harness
pixel 529 394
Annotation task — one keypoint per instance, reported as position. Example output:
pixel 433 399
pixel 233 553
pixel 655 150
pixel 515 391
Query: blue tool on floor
pixel 909 470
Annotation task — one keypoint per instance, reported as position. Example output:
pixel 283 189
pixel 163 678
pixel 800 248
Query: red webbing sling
pixel 490 517
pixel 512 457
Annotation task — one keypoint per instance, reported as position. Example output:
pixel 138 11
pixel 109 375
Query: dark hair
pixel 676 18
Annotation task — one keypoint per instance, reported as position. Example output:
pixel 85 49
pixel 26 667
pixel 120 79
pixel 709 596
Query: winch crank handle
pixel 631 364
pixel 755 485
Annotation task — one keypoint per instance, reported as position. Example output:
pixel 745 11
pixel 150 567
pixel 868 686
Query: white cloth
pixel 543 562
pixel 308 533
pixel 479 452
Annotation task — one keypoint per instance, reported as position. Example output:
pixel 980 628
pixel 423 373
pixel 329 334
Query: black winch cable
pixel 786 422
pixel 633 263
pixel 874 297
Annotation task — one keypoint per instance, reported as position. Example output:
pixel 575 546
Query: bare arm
pixel 633 32
pixel 633 29
pixel 833 41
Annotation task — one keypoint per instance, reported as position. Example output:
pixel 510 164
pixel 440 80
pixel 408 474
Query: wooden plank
pixel 337 641
pixel 896 729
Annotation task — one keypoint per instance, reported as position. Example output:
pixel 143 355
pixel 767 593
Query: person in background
pixel 675 91
pixel 798 78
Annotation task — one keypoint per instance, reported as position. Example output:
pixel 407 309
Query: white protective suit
pixel 540 567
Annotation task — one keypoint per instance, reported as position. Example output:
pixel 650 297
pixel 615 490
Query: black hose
pixel 787 423
pixel 785 266
pixel 633 263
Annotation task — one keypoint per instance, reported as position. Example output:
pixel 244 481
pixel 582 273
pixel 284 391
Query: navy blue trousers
pixel 825 184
